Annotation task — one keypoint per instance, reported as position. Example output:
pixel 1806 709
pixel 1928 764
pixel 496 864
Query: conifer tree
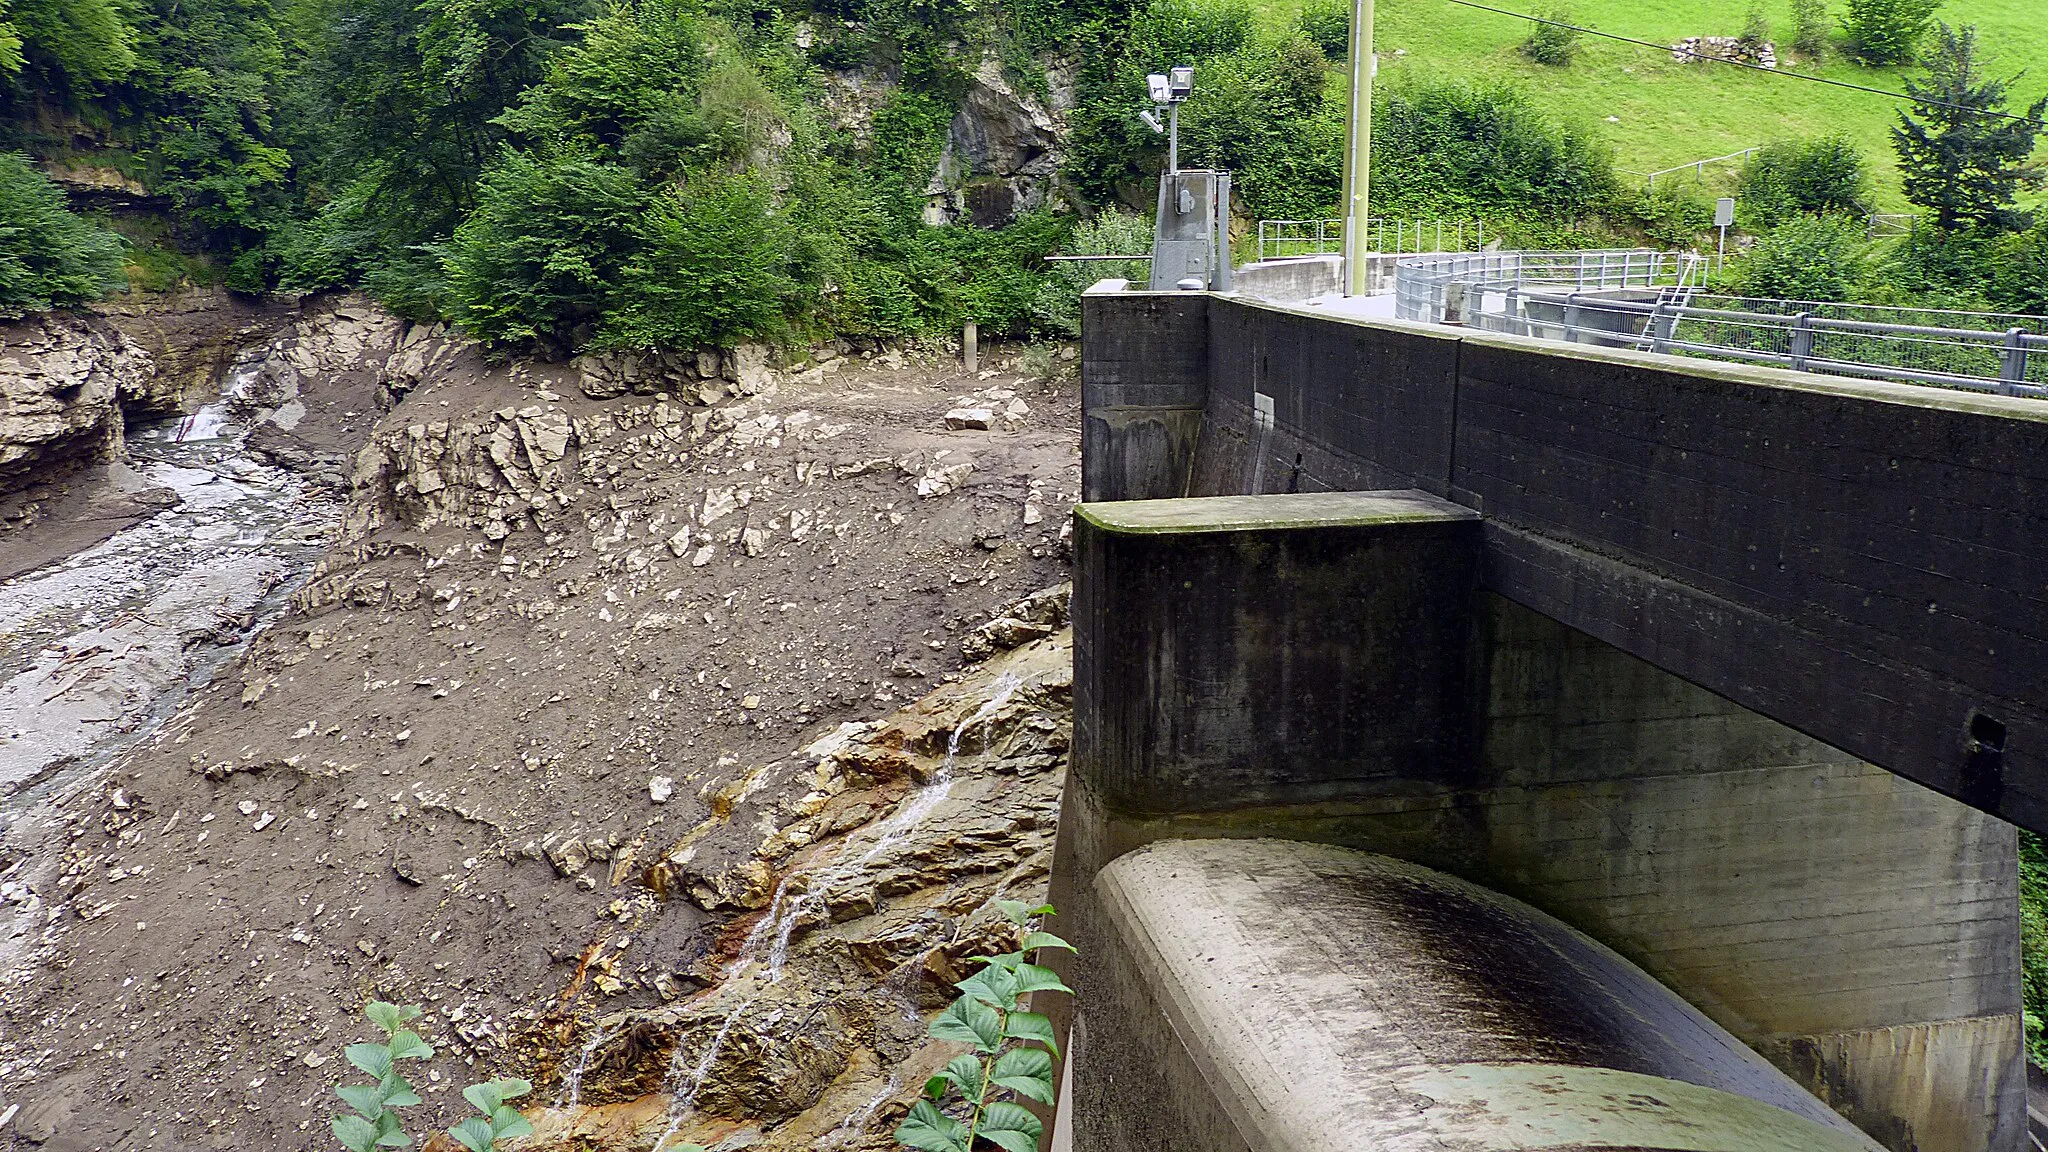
pixel 1958 155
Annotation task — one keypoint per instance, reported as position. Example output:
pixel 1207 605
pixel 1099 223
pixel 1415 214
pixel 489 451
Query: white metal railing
pixel 1698 167
pixel 1281 238
pixel 1656 302
pixel 1422 285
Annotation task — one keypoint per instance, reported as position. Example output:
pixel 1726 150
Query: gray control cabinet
pixel 1190 240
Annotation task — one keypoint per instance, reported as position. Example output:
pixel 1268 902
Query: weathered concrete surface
pixel 1287 997
pixel 1864 562
pixel 1858 929
pixel 1144 382
pixel 1288 280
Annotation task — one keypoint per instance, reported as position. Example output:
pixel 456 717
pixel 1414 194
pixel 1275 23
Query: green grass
pixel 1665 113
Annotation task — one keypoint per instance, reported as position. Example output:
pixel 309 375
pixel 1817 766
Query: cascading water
pixel 780 923
pixel 100 648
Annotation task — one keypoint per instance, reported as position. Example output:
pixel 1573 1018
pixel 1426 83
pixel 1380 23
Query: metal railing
pixel 1281 238
pixel 1653 302
pixel 1698 167
pixel 1422 285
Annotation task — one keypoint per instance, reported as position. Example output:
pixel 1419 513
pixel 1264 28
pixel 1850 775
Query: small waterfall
pixel 572 1088
pixel 856 1125
pixel 779 923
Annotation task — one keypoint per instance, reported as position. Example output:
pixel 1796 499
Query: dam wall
pixel 1397 650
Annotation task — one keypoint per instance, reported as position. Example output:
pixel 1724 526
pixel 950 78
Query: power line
pixel 1744 64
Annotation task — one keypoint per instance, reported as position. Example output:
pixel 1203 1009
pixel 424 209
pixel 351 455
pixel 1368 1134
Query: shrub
pixel 1756 27
pixel 1327 25
pixel 1888 31
pixel 1787 178
pixel 2019 283
pixel 49 256
pixel 1452 149
pixel 1175 32
pixel 1805 258
pixel 538 257
pixel 1553 43
pixel 1057 308
pixel 713 270
pixel 1674 217
pixel 1810 28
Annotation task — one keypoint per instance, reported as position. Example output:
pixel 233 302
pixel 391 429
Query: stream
pixel 99 649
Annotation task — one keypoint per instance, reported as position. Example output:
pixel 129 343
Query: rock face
pixel 1001 156
pixel 61 382
pixel 191 338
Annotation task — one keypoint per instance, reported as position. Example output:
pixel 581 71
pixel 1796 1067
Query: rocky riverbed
pixel 663 725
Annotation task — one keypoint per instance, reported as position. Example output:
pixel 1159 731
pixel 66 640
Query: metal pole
pixel 1802 340
pixel 2012 363
pixel 1173 139
pixel 1358 149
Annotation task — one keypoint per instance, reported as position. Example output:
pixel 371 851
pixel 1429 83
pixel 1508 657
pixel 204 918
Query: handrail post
pixel 1802 340
pixel 1571 318
pixel 1518 322
pixel 2012 362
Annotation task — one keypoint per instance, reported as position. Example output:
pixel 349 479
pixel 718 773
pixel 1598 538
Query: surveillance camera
pixel 1182 82
pixel 1151 120
pixel 1158 85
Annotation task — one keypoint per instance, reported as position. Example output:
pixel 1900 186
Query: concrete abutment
pixel 1333 668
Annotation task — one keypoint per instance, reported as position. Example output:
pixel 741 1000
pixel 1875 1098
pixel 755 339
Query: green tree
pixel 1888 31
pixel 1805 258
pixel 1327 24
pixel 1556 42
pixel 49 256
pixel 542 254
pixel 712 269
pixel 2019 283
pixel 1958 156
pixel 1789 177
pixel 1810 28
pixel 73 45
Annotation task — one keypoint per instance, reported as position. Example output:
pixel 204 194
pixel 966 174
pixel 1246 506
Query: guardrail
pixel 1280 238
pixel 1654 302
pixel 1422 285
pixel 1699 167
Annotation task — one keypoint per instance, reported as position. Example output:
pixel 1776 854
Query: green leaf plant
pixel 1004 1066
pixel 374 1124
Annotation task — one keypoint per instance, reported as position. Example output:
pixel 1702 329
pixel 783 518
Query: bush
pixel 1888 31
pixel 1327 25
pixel 713 271
pixel 1810 28
pixel 1057 308
pixel 1553 44
pixel 2019 282
pixel 538 258
pixel 1805 258
pixel 1173 32
pixel 1756 28
pixel 1673 217
pixel 1452 149
pixel 49 256
pixel 1788 178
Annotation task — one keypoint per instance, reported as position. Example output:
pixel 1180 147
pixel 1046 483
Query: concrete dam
pixel 1487 743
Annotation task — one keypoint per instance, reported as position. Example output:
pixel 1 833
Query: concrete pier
pixel 1332 668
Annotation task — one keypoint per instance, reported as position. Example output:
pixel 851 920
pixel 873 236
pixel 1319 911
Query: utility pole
pixel 1358 149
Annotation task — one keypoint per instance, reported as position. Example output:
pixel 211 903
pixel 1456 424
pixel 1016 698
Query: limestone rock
pixel 978 418
pixel 61 379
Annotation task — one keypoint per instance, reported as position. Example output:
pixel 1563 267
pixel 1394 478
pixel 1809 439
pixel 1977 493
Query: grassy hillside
pixel 1664 113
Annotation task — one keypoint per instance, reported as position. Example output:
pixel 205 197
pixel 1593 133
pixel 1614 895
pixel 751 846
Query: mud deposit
pixel 663 726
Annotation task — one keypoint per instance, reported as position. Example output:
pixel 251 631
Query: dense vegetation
pixel 616 173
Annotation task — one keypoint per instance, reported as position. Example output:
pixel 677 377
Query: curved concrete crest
pixel 1288 997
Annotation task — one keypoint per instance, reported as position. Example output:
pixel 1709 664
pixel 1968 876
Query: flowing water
pixel 99 649
pixel 785 914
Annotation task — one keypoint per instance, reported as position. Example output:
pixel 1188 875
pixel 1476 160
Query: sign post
pixel 1724 216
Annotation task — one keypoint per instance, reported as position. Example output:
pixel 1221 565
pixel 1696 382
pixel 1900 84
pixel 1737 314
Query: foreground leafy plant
pixel 376 1125
pixel 990 1016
